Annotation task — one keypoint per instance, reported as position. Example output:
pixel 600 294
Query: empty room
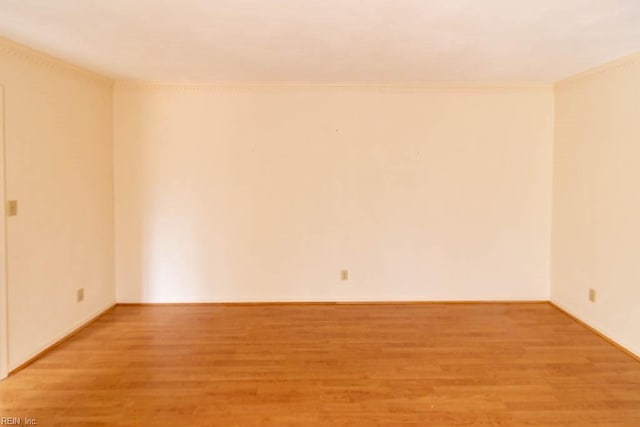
pixel 320 213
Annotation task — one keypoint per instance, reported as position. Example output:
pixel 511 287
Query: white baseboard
pixel 599 329
pixel 58 338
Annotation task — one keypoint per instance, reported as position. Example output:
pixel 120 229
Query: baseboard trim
pixel 302 303
pixel 441 302
pixel 597 332
pixel 61 341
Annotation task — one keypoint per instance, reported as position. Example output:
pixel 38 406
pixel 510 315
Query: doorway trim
pixel 4 301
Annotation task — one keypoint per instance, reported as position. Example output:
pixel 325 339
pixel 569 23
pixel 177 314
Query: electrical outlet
pixel 592 295
pixel 344 275
pixel 80 295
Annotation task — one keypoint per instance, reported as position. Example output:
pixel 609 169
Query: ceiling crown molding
pixel 383 86
pixel 617 65
pixel 11 48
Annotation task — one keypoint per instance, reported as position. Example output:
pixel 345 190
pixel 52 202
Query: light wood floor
pixel 421 365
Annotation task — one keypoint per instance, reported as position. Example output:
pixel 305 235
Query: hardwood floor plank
pixel 387 365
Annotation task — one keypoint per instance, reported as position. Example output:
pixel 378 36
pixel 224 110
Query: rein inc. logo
pixel 17 421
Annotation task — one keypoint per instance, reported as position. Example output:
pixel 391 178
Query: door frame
pixel 4 291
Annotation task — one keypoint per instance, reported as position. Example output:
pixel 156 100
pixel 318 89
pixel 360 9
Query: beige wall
pixel 596 221
pixel 266 193
pixel 258 193
pixel 58 129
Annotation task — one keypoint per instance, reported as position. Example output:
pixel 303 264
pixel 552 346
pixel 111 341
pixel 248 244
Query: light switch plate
pixel 12 208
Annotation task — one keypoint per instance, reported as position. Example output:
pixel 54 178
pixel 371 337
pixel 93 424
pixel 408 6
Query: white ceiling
pixel 328 40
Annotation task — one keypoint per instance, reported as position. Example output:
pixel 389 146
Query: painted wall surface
pixel 596 226
pixel 266 193
pixel 58 134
